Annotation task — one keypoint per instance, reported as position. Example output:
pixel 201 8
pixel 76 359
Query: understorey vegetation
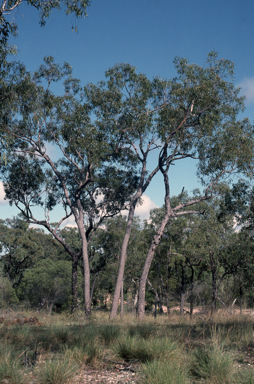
pixel 63 349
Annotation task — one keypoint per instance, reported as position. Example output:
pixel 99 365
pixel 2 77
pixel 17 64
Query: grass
pixel 135 348
pixel 158 372
pixel 213 364
pixel 59 371
pixel 10 368
pixel 171 351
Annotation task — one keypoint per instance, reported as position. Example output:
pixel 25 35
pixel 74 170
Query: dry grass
pixel 64 348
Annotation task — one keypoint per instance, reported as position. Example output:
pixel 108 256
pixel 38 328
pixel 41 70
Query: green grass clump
pixel 247 376
pixel 158 372
pixel 144 330
pixel 109 333
pixel 59 371
pixel 134 348
pixel 10 369
pixel 213 365
pixel 91 353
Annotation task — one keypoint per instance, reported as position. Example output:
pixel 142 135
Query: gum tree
pixel 88 172
pixel 193 116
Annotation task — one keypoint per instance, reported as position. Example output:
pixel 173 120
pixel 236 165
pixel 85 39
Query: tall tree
pixel 93 176
pixel 192 116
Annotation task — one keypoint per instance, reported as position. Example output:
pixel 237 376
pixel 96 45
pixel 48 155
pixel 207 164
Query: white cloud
pixel 70 222
pixel 2 194
pixel 247 89
pixel 143 210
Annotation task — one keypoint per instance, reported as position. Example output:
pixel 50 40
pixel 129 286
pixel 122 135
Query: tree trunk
pixel 146 268
pixel 241 299
pixel 214 290
pixel 182 291
pixel 80 222
pixel 122 301
pixel 74 284
pixel 168 306
pixel 192 294
pixel 154 245
pixel 135 301
pixel 119 281
pixel 143 184
pixel 87 299
pixel 92 289
pixel 182 303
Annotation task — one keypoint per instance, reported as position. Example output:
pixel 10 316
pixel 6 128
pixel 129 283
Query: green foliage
pixel 20 249
pixel 48 284
pixel 7 293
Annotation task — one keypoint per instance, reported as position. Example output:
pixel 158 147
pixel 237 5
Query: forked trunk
pixel 154 244
pixel 119 281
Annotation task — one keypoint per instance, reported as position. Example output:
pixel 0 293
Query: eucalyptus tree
pixel 8 7
pixel 193 116
pixel 11 71
pixel 88 172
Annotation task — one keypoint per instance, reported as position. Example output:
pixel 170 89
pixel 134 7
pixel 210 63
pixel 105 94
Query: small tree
pixel 48 283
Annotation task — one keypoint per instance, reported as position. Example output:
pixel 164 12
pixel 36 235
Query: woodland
pixel 195 250
pixel 117 299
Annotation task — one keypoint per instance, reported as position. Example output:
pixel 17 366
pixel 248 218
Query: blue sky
pixel 147 34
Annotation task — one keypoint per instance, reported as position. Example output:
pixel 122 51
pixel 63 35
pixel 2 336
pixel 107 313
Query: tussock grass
pixel 134 348
pixel 59 371
pixel 160 372
pixel 162 350
pixel 213 364
pixel 10 368
pixel 247 376
pixel 109 333
pixel 143 330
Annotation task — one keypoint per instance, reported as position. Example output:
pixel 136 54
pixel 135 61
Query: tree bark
pixel 214 282
pixel 241 299
pixel 154 245
pixel 80 223
pixel 74 284
pixel 182 291
pixel 123 257
pixel 192 294
pixel 93 285
pixel 122 301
